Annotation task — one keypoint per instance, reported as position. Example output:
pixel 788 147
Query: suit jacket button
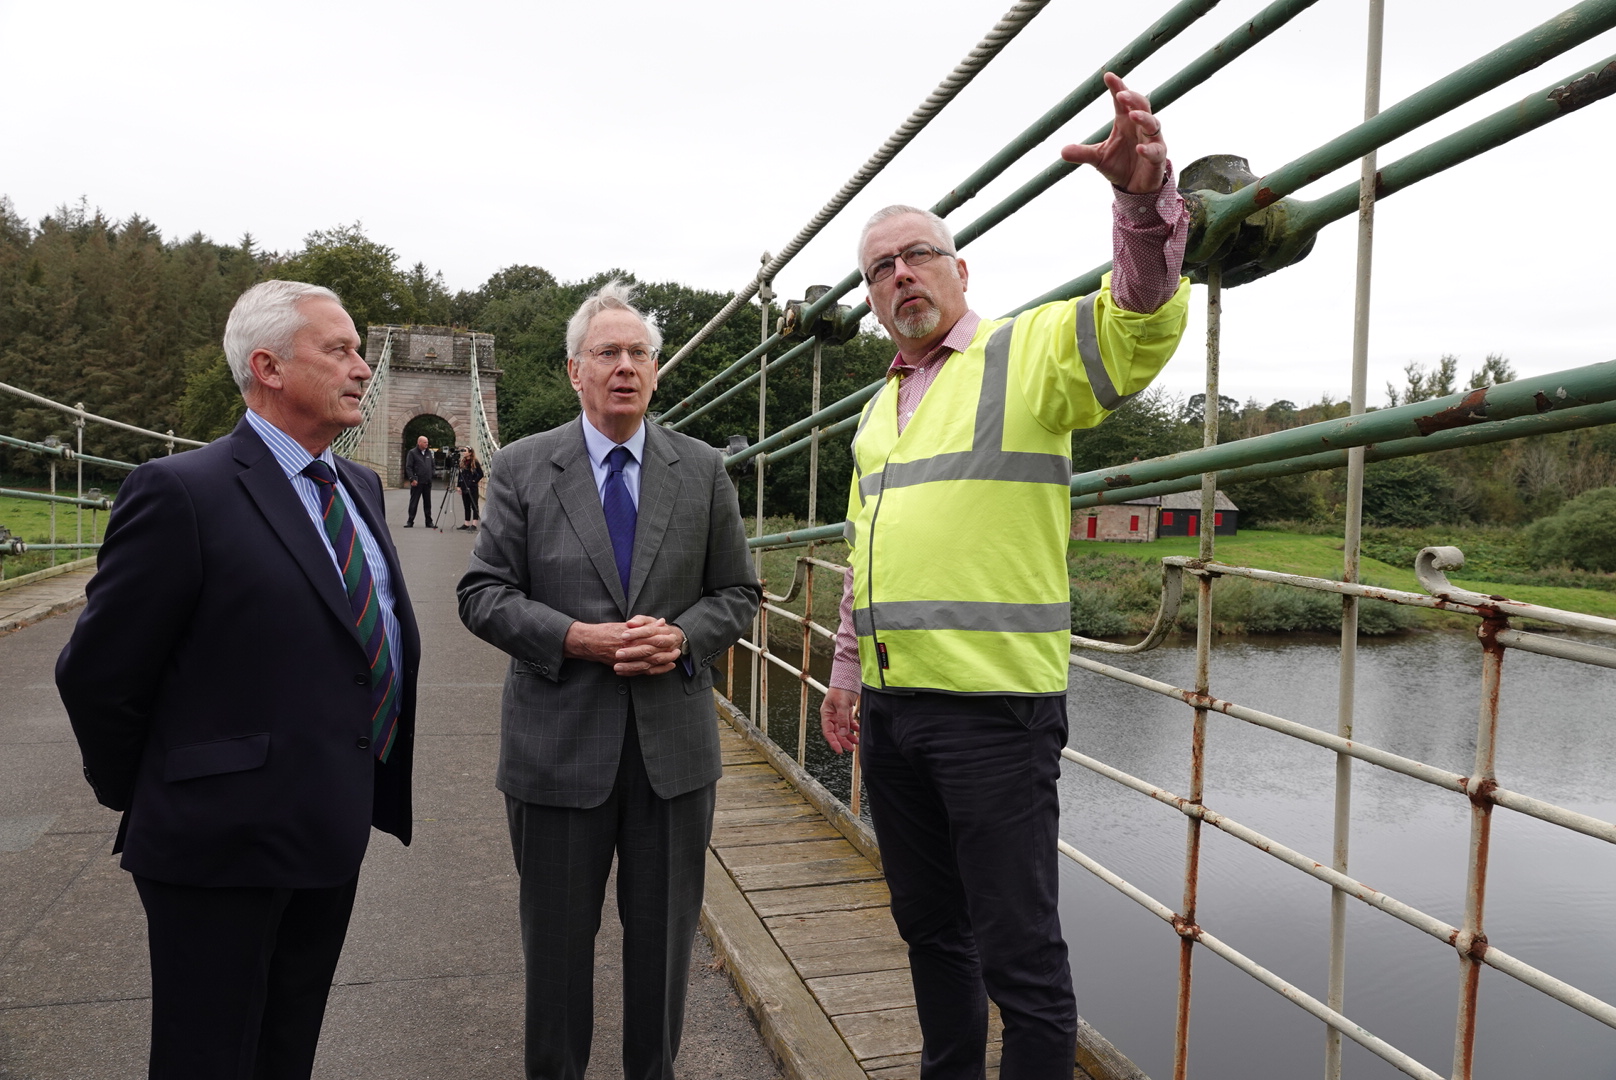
pixel 363 743
pixel 361 679
pixel 622 688
pixel 543 670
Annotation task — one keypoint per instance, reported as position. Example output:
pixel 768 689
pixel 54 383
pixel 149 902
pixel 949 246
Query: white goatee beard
pixel 917 323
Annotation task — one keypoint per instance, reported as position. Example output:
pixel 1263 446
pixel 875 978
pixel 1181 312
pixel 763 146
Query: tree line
pixel 113 315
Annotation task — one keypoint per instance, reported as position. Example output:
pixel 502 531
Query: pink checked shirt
pixel 1148 234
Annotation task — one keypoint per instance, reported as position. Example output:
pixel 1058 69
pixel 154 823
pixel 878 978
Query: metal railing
pixel 84 499
pixel 482 434
pixel 1253 226
pixel 350 442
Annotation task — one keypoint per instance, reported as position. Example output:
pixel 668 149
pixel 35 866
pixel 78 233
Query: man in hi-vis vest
pixel 956 617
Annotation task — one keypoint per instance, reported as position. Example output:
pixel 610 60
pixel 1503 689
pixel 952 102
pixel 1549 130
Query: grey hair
pixel 266 316
pixel 939 227
pixel 614 294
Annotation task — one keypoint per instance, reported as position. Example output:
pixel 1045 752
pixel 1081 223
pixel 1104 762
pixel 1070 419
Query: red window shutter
pixel 1167 517
pixel 1094 527
pixel 1133 523
pixel 1217 520
pixel 1195 524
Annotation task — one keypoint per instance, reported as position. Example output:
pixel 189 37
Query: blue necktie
pixel 620 512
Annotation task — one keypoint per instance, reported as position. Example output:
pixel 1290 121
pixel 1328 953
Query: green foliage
pixel 1146 426
pixel 211 404
pixel 1305 497
pixel 364 273
pixel 1407 491
pixel 1581 534
pixel 104 313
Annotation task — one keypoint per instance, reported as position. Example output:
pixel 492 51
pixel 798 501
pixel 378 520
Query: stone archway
pixel 439 434
pixel 429 374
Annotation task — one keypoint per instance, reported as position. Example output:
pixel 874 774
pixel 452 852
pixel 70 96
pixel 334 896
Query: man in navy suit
pixel 242 686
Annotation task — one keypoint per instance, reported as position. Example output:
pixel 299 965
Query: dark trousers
pixel 564 856
pixel 240 977
pixel 468 499
pixel 420 493
pixel 962 792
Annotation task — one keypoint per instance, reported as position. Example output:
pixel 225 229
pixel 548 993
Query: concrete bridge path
pixel 430 982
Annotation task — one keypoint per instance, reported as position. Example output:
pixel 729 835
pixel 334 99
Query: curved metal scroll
pixel 1166 615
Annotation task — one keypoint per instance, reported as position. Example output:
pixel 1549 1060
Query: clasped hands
pixel 641 646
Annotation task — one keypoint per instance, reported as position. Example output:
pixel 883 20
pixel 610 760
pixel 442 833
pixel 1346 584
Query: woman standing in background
pixel 471 475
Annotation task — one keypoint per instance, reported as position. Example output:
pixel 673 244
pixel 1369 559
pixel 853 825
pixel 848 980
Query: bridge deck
pixel 824 906
pixel 430 981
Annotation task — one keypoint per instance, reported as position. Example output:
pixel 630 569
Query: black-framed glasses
pixel 913 256
pixel 612 354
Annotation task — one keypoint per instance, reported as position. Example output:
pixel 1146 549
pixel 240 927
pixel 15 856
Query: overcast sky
pixel 681 140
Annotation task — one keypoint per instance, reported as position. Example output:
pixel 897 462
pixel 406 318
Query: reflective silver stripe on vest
pixel 964 615
pixel 987 459
pixel 972 465
pixel 1088 348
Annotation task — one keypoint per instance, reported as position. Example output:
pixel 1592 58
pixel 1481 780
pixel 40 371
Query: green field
pixel 30 520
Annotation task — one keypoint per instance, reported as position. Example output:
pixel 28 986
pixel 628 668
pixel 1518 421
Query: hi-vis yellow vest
pixel 958 527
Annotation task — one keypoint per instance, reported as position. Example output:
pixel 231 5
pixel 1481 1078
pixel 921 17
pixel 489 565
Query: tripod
pixel 453 474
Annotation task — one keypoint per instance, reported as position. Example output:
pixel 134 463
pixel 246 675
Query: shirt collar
pixel 957 340
pixel 291 457
pixel 599 445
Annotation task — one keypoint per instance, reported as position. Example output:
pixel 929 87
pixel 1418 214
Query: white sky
pixel 681 140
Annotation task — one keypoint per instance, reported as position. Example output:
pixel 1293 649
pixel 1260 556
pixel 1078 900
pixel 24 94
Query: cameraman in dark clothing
pixel 471 475
pixel 418 471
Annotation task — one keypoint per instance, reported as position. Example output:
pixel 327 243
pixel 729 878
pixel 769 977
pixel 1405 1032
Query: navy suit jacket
pixel 217 687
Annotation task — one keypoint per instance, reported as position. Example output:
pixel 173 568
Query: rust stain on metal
pixel 1472 410
pixel 1380 186
pixel 1543 402
pixel 1265 195
pixel 1120 480
pixel 1483 795
pixel 1586 90
pixel 1185 928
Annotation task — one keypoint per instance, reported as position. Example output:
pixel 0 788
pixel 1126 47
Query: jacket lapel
pixel 659 489
pixel 575 489
pixel 268 486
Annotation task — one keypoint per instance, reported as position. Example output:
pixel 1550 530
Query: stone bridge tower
pixel 428 374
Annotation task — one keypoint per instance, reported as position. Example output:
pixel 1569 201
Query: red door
pixel 1195 524
pixel 1094 528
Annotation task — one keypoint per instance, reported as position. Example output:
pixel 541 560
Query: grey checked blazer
pixel 543 559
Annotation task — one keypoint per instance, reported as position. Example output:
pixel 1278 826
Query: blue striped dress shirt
pixel 293 459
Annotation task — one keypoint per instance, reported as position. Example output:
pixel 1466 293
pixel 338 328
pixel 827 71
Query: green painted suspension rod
pixel 1516 428
pixel 1565 31
pixel 1576 388
pixel 1164 30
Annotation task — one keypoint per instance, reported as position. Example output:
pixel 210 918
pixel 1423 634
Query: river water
pixel 1551 894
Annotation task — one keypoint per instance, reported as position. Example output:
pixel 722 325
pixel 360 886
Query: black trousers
pixel 962 792
pixel 564 856
pixel 240 977
pixel 468 499
pixel 420 493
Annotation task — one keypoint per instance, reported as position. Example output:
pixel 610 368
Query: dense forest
pixel 114 315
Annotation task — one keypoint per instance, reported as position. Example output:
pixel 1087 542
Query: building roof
pixel 1183 500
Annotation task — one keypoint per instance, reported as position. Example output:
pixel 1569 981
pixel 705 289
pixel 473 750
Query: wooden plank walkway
pixel 796 903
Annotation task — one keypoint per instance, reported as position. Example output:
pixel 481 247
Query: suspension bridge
pixel 795 904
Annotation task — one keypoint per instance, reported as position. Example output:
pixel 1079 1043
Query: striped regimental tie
pixel 366 607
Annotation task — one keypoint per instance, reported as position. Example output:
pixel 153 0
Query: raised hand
pixel 1133 156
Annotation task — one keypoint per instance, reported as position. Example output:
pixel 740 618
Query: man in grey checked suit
pixel 612 567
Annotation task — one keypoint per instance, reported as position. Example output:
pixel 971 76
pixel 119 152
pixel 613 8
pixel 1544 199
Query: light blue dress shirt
pixel 293 459
pixel 599 446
